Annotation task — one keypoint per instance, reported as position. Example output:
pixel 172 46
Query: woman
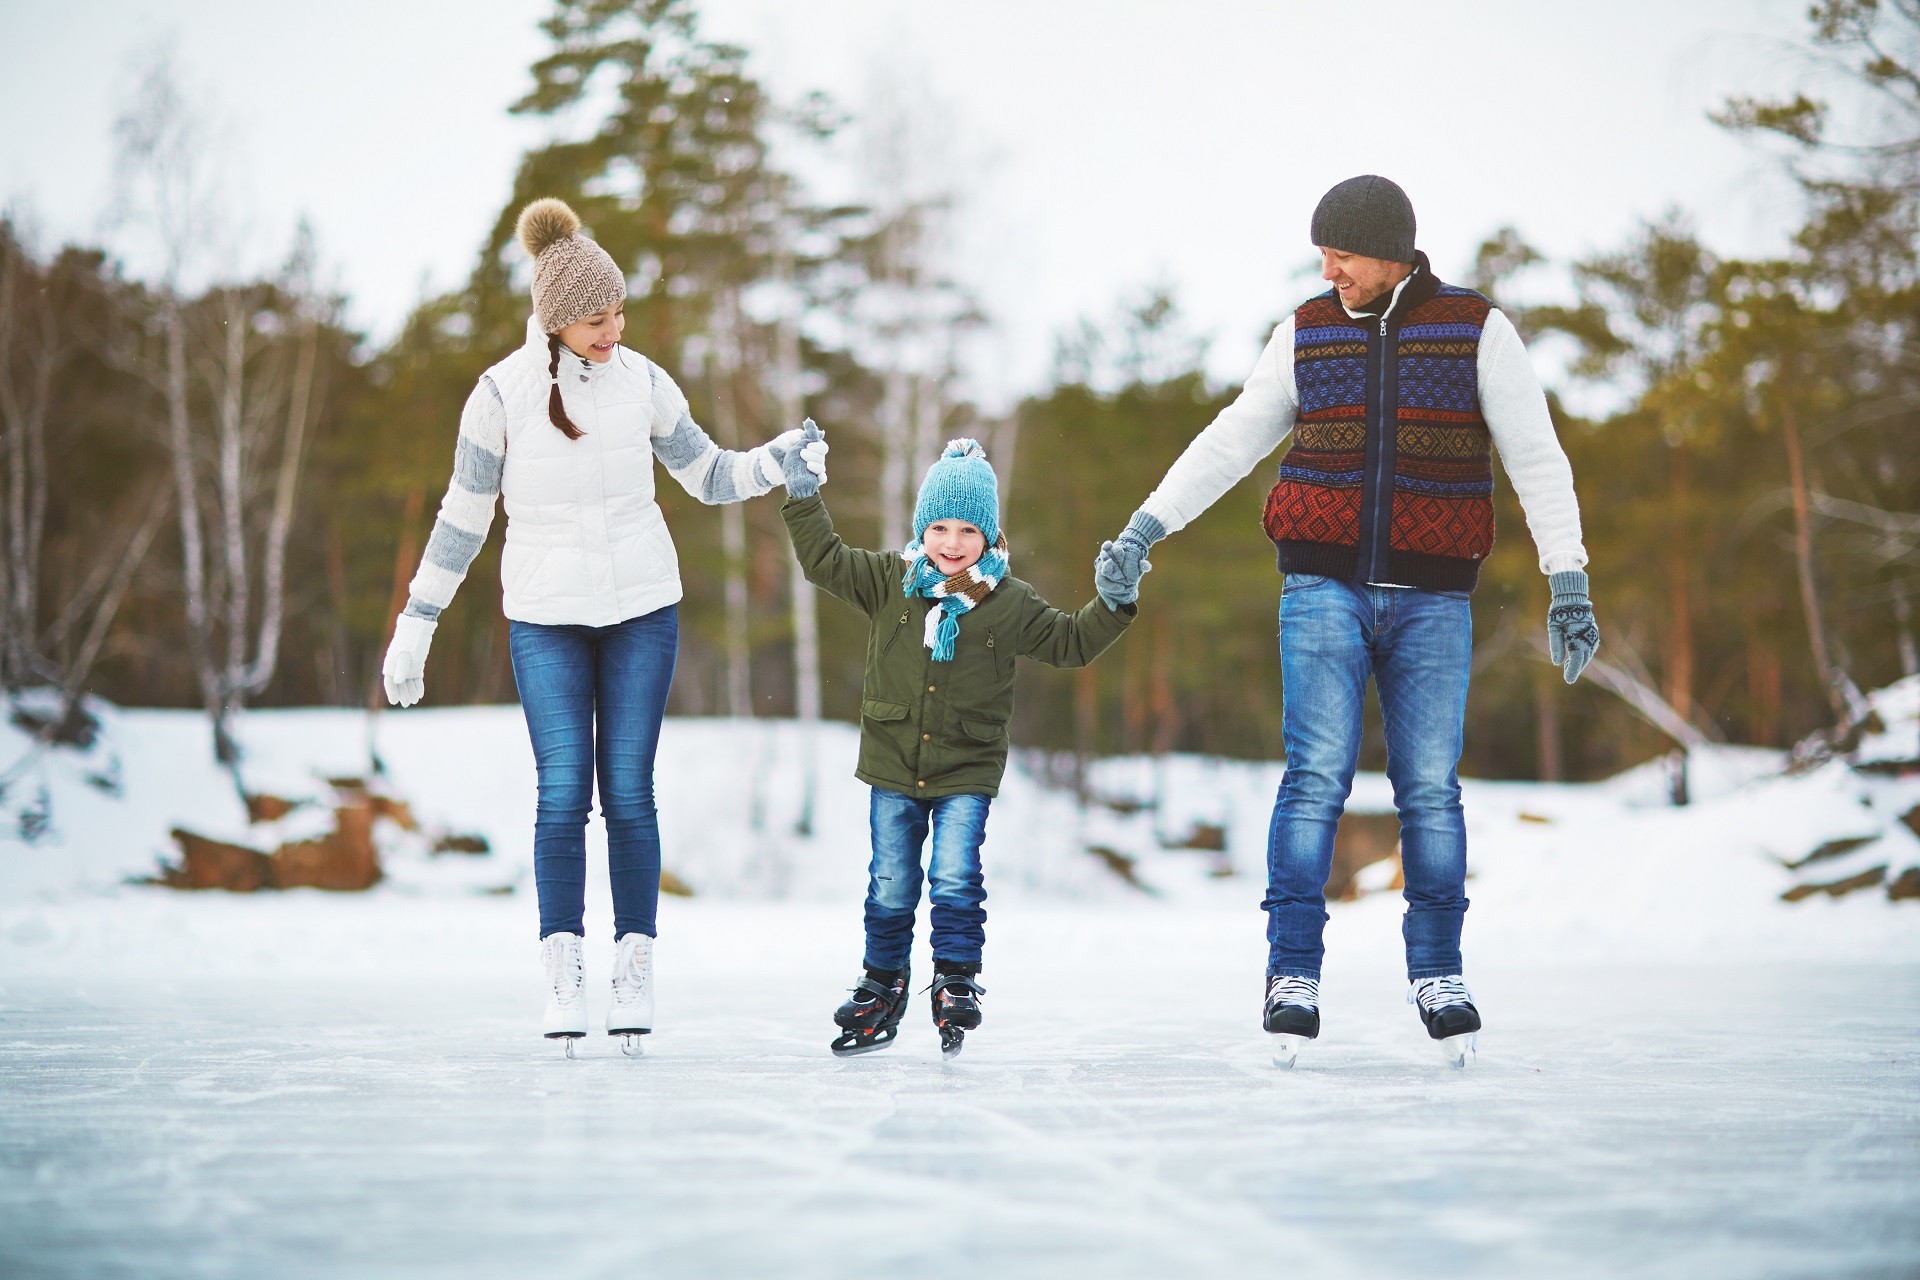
pixel 566 430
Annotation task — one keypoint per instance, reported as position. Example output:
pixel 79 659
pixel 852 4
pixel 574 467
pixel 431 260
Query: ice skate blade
pixel 847 1046
pixel 631 1043
pixel 1286 1047
pixel 951 1043
pixel 1457 1049
pixel 567 1040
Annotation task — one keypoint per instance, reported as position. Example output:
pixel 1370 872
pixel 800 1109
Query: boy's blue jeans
pixel 594 698
pixel 1418 647
pixel 900 826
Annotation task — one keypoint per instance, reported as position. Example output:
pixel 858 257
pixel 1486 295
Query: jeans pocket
pixel 1303 582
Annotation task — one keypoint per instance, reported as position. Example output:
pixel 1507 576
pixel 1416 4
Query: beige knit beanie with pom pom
pixel 572 276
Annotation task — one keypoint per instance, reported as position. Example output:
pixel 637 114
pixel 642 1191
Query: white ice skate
pixel 631 1014
pixel 566 1014
pixel 1292 1015
pixel 1446 1006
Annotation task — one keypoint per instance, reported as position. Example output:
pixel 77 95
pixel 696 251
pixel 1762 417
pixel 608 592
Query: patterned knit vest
pixel 1389 477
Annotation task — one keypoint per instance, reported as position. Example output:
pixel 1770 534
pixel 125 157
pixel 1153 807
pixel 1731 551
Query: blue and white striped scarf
pixel 956 594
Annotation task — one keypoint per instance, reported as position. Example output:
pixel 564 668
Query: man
pixel 1396 388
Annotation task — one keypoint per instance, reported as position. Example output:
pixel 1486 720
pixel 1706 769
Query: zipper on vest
pixel 1381 482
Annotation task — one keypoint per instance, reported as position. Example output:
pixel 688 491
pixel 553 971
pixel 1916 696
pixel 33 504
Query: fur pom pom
pixel 964 447
pixel 543 224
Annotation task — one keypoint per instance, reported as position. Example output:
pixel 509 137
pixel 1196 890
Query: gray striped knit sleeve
pixel 466 512
pixel 705 470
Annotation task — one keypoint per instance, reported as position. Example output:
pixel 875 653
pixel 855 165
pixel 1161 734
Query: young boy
pixel 948 623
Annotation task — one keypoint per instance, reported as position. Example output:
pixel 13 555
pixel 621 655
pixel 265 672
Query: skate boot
pixel 871 1018
pixel 1292 1015
pixel 956 1008
pixel 631 1014
pixel 1446 1006
pixel 566 1014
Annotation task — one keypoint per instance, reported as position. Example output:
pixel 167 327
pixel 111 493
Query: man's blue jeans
pixel 594 698
pixel 1418 647
pixel 900 825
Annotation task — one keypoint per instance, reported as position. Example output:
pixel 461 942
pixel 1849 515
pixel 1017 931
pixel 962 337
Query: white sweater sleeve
pixel 1516 412
pixel 1244 432
pixel 466 512
pixel 705 470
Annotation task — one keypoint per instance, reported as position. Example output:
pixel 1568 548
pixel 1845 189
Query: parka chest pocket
pixel 882 710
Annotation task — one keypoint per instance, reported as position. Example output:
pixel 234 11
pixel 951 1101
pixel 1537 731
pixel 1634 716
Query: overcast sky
pixel 1096 145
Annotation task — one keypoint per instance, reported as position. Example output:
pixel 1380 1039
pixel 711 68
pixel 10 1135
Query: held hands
pixel 1572 635
pixel 799 460
pixel 1121 564
pixel 404 670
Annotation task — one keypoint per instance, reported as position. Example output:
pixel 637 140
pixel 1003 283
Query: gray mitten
pixel 803 460
pixel 1573 637
pixel 1121 564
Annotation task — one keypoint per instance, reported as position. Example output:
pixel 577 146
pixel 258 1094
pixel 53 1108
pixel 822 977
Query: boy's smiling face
pixel 953 545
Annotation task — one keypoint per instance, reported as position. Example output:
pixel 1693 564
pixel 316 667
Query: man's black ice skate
pixel 956 1009
pixel 871 1018
pixel 1446 1006
pixel 1292 1015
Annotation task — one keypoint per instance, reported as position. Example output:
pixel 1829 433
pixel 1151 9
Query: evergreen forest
pixel 212 495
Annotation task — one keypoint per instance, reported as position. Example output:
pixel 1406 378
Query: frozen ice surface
pixel 303 1085
pixel 1682 1075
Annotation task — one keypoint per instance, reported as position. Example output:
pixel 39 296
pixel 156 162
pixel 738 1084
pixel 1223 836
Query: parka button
pixel 929 688
pixel 921 783
pixel 926 737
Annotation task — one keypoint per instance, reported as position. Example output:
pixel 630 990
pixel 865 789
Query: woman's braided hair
pixel 557 412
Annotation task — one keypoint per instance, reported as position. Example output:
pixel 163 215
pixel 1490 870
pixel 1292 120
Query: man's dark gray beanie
pixel 1368 215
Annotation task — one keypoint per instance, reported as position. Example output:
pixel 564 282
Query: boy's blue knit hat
pixel 960 486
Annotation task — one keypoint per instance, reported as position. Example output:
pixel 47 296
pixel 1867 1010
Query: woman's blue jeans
pixel 900 827
pixel 594 698
pixel 1418 647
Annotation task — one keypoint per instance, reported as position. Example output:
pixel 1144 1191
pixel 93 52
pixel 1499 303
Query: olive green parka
pixel 931 728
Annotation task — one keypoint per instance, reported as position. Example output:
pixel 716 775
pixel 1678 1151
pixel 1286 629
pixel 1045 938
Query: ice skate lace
pixel 1292 989
pixel 630 977
pixel 1433 994
pixel 564 970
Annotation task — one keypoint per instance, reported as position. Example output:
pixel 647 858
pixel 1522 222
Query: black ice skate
pixel 1446 1006
pixel 956 1009
pixel 871 1019
pixel 1292 1015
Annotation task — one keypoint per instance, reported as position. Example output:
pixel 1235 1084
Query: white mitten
pixel 768 457
pixel 404 671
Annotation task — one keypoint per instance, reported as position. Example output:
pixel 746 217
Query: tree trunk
pixel 193 568
pixel 1676 560
pixel 806 618
pixel 896 492
pixel 733 520
pixel 1166 712
pixel 230 422
pixel 1546 712
pixel 293 439
pixel 1830 677
pixel 1903 636
pixel 404 558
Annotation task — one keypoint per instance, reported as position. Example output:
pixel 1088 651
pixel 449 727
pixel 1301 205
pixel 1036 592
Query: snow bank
pixel 769 810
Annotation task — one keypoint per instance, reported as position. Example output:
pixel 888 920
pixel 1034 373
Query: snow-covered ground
pixel 1682 1074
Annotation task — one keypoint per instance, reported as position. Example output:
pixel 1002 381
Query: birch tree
pixel 233 371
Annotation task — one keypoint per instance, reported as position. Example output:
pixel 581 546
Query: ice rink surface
pixel 318 1087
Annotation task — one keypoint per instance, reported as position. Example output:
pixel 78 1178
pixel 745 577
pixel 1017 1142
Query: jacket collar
pixel 573 369
pixel 1409 293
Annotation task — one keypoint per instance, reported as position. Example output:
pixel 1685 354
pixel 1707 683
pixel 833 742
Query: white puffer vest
pixel 586 543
